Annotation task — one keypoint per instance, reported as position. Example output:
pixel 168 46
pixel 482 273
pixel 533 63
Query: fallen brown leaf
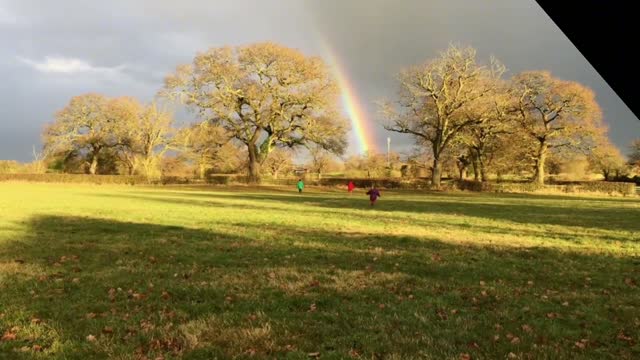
pixel 91 338
pixel 465 356
pixel 314 354
pixel 8 336
pixel 112 294
pixel 552 315
pixel 623 336
pixel 37 348
pixel 107 330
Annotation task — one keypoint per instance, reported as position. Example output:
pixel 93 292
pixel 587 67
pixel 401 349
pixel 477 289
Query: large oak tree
pixel 266 95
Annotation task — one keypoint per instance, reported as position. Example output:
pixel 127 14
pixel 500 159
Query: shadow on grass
pixel 611 216
pixel 152 290
pixel 578 215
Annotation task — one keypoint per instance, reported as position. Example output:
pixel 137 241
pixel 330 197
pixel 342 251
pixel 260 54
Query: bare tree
pixel 435 96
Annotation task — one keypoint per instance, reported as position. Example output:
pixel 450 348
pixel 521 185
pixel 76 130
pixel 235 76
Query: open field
pixel 94 272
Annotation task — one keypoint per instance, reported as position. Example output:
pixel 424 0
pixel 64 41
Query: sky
pixel 53 50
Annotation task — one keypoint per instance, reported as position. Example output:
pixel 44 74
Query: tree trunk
pixel 436 175
pixel 483 170
pixel 254 165
pixel 476 168
pixel 202 169
pixel 94 164
pixel 606 175
pixel 539 171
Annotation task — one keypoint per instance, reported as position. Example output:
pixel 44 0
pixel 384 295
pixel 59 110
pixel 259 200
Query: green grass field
pixel 97 272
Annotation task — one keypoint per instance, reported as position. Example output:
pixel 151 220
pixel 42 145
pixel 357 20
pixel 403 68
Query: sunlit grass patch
pixel 201 273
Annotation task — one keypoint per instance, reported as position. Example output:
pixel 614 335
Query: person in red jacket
pixel 374 194
pixel 351 186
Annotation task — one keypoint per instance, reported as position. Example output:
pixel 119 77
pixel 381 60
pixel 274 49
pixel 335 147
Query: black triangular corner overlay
pixel 602 32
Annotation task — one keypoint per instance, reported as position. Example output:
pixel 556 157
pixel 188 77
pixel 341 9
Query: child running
pixel 300 185
pixel 350 187
pixel 374 194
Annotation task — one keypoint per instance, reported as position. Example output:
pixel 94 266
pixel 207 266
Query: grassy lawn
pixel 97 272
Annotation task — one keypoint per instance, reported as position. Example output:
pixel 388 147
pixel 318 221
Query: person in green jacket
pixel 300 185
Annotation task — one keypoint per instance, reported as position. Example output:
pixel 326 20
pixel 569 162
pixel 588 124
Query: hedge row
pixel 76 178
pixel 624 188
pixel 605 187
pixel 383 183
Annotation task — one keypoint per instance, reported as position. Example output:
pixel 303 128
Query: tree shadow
pixel 155 290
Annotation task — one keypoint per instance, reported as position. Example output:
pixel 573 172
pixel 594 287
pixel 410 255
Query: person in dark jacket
pixel 374 194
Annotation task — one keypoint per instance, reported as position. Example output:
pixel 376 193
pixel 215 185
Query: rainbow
pixel 356 112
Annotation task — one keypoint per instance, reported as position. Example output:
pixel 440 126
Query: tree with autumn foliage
pixel 85 126
pixel 266 96
pixel 208 146
pixel 147 134
pixel 607 159
pixel 634 153
pixel 436 100
pixel 484 139
pixel 554 114
pixel 279 162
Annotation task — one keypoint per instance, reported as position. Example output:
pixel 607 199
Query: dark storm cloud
pixel 52 50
